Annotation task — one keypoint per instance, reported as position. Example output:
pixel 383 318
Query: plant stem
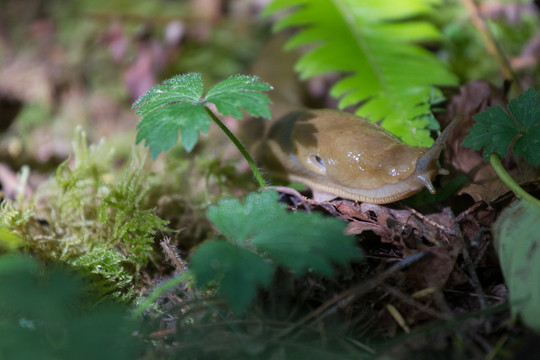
pixel 243 151
pixel 491 44
pixel 495 161
pixel 157 293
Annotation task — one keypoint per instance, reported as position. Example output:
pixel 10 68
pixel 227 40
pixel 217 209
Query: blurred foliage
pixel 149 9
pixel 222 335
pixel 230 49
pixel 518 245
pixel 45 314
pixel 261 235
pixel 9 240
pixel 465 49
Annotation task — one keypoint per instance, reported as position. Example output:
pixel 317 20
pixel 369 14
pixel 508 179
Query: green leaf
pixel 240 91
pixel 240 222
pixel 301 242
pixel 181 88
pixel 518 245
pixel 178 104
pixel 495 129
pixel 297 240
pixel 264 229
pixel 159 129
pixel 529 146
pixel 372 42
pixel 48 314
pixel 239 271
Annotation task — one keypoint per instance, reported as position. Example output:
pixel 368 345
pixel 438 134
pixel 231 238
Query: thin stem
pixel 243 151
pixel 495 161
pixel 491 44
pixel 157 293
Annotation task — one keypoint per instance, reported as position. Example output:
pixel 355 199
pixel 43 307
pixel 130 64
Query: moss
pixel 91 218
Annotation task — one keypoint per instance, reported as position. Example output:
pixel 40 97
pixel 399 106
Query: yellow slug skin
pixel 348 156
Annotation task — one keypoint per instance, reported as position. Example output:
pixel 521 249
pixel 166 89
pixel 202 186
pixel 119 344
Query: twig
pixel 356 291
pixel 416 304
pixel 293 192
pixel 491 44
pixel 470 210
pixel 173 256
pixel 469 266
pixel 444 229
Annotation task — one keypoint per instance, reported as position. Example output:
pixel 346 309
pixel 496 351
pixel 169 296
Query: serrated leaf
pixel 239 271
pixel 264 229
pixel 526 109
pixel 495 129
pixel 386 75
pixel 517 241
pixel 178 104
pixel 240 222
pixel 241 91
pixel 301 241
pixel 295 240
pixel 159 129
pixel 529 146
pixel 180 88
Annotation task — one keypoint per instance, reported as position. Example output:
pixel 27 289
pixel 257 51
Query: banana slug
pixel 348 156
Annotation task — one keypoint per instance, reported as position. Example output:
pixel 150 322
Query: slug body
pixel 348 156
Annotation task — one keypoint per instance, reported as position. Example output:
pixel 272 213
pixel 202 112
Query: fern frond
pixel 372 42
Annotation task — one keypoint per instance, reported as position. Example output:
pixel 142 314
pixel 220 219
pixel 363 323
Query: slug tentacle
pixel 429 159
pixel 348 156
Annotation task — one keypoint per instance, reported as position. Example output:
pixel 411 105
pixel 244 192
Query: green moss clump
pixel 91 218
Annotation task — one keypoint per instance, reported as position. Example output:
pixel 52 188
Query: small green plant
pixel 517 228
pixel 260 233
pixel 372 43
pixel 497 131
pixel 179 103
